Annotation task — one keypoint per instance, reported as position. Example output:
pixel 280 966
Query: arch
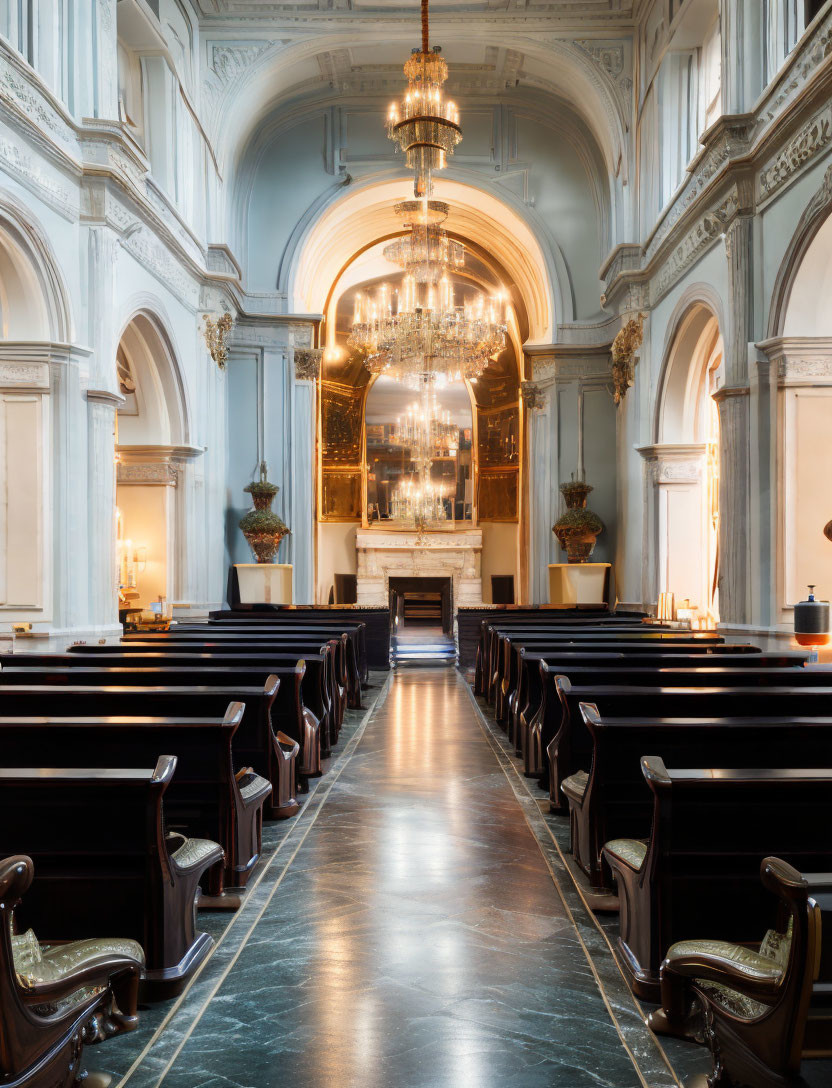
pixel 365 212
pixel 161 393
pixel 804 259
pixel 34 301
pixel 698 306
pixel 683 463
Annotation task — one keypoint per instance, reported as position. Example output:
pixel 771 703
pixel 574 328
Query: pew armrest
pixel 575 786
pixel 732 966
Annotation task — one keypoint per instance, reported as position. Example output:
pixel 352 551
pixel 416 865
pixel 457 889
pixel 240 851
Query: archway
pixel 151 438
pixel 494 491
pixel 683 467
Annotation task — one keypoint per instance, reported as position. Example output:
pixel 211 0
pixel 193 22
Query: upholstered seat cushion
pixel 35 963
pixel 631 851
pixel 575 785
pixel 195 852
pixel 768 963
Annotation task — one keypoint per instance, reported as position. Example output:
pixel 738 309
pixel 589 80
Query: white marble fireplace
pixel 454 555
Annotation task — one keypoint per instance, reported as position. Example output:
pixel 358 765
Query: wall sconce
pixel 215 334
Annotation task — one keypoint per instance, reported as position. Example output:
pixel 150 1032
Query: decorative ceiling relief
pixel 611 58
pixel 227 63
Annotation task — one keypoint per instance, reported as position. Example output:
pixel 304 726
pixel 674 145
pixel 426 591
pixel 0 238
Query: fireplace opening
pixel 421 619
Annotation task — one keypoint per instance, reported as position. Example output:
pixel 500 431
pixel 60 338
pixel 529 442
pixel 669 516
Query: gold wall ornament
pixel 623 349
pixel 308 363
pixel 215 334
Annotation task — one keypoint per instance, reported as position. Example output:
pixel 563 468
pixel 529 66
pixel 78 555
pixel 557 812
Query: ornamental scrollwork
pixel 533 396
pixel 308 363
pixel 623 350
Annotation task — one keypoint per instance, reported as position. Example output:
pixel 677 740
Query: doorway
pixel 421 620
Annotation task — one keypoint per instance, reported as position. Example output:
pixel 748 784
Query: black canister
pixel 811 621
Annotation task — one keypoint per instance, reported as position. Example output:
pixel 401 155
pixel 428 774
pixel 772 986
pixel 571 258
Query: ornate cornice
pixel 799 360
pixel 160 473
pixel 673 463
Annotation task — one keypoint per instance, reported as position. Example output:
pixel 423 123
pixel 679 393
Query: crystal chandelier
pixel 426 251
pixel 423 124
pixel 419 334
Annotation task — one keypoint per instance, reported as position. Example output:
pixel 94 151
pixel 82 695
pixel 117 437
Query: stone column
pixel 303 397
pixel 736 539
pixel 102 406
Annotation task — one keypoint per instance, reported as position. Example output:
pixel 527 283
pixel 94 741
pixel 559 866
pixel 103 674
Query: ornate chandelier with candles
pixel 419 334
pixel 423 124
pixel 427 251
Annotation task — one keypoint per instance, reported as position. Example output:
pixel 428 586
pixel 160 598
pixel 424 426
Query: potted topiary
pixel 577 528
pixel 261 527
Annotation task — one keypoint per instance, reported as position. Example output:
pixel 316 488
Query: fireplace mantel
pixel 454 555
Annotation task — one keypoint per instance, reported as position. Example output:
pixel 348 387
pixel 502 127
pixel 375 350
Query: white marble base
pixel 577 583
pixel 264 583
pixel 385 554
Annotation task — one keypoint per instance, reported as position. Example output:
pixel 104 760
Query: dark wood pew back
pixel 104 864
pixel 711 829
pixel 202 669
pixel 300 638
pixel 529 694
pixel 570 749
pixel 205 799
pixel 770 731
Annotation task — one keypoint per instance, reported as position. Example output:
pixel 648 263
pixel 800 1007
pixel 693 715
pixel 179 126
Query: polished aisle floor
pixel 417 937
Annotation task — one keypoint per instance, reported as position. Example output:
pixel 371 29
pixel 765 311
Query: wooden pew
pixel 506 646
pixel 473 622
pixel 763 1009
pixel 356 632
pixel 508 651
pixel 556 726
pixel 529 695
pixel 375 639
pixel 285 638
pixel 96 997
pixel 570 749
pixel 256 644
pixel 255 742
pixel 105 863
pixel 585 637
pixel 696 869
pixel 208 799
pixel 251 669
pixel 487 664
pixel 610 799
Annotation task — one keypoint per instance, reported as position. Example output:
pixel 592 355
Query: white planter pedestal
pixel 264 583
pixel 578 583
